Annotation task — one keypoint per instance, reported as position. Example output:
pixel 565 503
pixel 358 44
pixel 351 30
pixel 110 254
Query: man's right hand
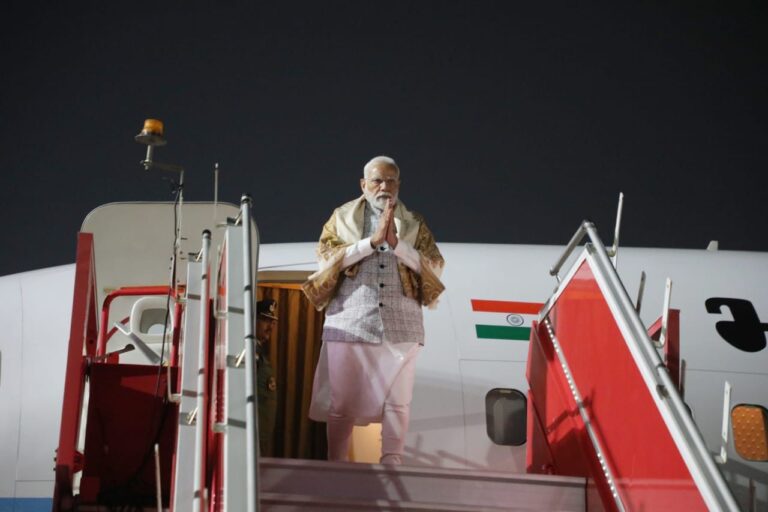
pixel 381 231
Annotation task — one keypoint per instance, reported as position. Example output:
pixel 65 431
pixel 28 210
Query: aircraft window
pixel 152 321
pixel 750 431
pixel 505 416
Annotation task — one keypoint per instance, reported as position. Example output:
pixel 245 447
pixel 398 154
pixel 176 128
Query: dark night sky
pixel 511 121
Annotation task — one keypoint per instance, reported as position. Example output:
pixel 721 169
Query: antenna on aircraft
pixel 215 191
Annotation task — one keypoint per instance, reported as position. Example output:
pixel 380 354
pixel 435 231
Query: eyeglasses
pixel 379 182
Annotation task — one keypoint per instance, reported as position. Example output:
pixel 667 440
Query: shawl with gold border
pixel 345 227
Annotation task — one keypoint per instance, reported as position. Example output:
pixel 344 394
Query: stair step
pixel 319 482
pixel 278 502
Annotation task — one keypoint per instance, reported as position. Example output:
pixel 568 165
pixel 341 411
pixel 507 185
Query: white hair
pixel 390 162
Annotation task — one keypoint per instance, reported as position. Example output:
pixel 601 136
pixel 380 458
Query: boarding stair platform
pixel 289 485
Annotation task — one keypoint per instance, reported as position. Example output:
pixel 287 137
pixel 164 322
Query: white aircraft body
pixel 722 297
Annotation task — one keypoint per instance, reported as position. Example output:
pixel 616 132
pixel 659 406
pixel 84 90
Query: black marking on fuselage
pixel 745 331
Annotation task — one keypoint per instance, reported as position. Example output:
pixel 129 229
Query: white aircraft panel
pixel 133 241
pixel 434 437
pixel 506 273
pixel 292 256
pixel 46 337
pixel 698 276
pixel 478 378
pixel 10 380
pixel 36 488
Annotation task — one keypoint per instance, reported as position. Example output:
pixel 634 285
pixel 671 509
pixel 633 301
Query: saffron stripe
pixel 505 306
pixel 503 332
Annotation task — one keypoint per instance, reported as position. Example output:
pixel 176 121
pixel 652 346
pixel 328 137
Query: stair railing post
pixel 199 504
pixel 251 425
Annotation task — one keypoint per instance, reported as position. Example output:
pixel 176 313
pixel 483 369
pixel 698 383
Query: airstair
pixel 603 404
pixel 159 401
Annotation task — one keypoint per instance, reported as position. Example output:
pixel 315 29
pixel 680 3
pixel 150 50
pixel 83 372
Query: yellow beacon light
pixel 152 133
pixel 153 127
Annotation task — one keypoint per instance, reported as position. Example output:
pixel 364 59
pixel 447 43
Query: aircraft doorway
pixel 293 352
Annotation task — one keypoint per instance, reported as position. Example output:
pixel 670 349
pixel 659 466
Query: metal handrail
pixel 575 241
pixel 126 291
pixel 201 430
pixel 613 252
pixel 251 414
pixel 710 482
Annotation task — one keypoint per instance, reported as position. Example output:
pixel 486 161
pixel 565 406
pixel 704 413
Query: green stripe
pixel 503 332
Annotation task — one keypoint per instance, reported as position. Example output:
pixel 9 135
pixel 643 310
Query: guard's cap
pixel 267 308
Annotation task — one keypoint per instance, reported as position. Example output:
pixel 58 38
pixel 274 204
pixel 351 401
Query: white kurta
pixel 371 337
pixel 371 375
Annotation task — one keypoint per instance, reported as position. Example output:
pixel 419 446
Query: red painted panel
pixel 538 456
pixel 672 347
pixel 650 472
pixel 127 415
pixel 569 444
pixel 555 409
pixel 82 334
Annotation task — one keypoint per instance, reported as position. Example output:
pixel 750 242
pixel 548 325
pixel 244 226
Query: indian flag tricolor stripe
pixel 503 332
pixel 504 320
pixel 506 306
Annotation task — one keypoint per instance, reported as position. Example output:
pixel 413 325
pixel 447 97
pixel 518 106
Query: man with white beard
pixel 379 265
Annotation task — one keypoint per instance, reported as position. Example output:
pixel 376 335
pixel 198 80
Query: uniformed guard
pixel 266 318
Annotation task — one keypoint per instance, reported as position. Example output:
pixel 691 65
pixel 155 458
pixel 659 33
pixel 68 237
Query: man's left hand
pixel 391 228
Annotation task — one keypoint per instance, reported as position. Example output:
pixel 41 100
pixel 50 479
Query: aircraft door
pixel 486 415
